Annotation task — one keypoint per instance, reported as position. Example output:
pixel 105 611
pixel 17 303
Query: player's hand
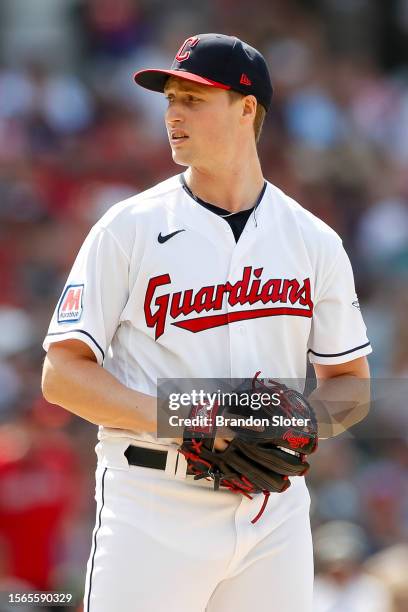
pixel 221 444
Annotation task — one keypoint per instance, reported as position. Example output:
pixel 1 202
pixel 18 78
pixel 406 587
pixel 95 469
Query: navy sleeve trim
pixel 80 331
pixel 339 354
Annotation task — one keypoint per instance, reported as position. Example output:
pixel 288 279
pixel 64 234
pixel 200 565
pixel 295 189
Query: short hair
pixel 259 115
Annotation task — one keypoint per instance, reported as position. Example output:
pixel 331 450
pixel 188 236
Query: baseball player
pixel 213 273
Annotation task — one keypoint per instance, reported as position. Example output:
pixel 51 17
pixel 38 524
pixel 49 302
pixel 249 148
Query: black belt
pixel 146 457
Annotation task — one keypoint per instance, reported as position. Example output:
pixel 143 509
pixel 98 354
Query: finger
pixel 221 444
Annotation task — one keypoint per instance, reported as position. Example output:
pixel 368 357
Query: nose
pixel 174 115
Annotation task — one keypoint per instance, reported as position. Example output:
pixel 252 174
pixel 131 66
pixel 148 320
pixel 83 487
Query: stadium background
pixel 76 136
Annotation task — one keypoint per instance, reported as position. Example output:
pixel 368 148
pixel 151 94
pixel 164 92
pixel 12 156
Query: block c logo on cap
pixel 70 306
pixel 182 53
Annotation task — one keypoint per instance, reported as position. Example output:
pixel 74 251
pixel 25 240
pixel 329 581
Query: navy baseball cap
pixel 217 60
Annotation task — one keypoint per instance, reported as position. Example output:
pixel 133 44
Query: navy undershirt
pixel 237 221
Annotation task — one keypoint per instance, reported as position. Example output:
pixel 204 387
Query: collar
pixel 222 212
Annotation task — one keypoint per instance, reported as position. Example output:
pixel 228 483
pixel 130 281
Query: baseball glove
pixel 263 453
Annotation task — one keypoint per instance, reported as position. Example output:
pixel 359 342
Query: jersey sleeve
pixel 338 333
pixel 94 295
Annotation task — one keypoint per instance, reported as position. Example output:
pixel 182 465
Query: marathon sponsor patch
pixel 70 306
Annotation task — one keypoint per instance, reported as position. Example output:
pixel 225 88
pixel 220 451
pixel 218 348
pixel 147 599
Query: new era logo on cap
pixel 244 80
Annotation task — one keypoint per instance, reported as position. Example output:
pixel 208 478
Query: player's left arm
pixel 342 396
pixel 356 367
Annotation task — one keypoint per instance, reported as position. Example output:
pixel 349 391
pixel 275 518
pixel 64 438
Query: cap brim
pixel 155 80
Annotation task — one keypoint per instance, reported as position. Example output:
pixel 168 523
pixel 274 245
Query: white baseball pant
pixel 168 544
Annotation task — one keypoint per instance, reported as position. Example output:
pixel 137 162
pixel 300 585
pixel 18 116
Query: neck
pixel 234 188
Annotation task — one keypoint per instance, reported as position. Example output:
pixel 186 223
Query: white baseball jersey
pixel 161 289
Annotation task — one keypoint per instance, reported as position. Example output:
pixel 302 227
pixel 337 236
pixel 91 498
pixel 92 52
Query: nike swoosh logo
pixel 162 239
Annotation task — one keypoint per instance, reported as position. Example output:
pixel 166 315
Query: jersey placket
pixel 238 336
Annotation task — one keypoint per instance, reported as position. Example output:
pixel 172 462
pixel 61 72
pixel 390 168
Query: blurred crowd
pixel 76 136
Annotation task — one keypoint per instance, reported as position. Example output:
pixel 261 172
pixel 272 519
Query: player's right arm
pixel 73 379
pixel 85 321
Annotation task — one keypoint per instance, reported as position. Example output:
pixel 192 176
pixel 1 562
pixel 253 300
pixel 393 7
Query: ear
pixel 249 105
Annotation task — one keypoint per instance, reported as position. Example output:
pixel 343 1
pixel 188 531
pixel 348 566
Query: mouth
pixel 177 137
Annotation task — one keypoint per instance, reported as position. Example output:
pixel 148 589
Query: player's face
pixel 201 124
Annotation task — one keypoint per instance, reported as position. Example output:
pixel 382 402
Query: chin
pixel 180 159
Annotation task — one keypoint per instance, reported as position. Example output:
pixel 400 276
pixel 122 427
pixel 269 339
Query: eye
pixel 189 98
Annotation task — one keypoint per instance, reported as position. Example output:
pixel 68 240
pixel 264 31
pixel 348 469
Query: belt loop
pixel 181 467
pixel 171 463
